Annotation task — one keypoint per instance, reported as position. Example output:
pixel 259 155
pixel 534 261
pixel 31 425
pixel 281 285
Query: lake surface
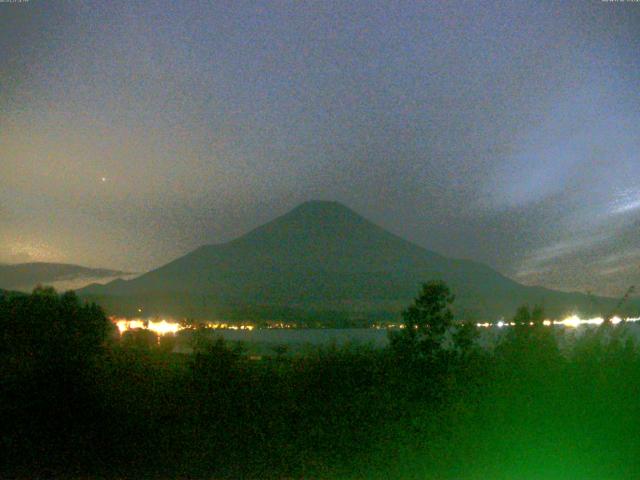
pixel 264 341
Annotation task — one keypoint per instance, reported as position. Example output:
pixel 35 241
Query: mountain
pixel 25 276
pixel 320 260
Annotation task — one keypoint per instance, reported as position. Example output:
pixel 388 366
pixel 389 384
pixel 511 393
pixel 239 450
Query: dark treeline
pixel 77 401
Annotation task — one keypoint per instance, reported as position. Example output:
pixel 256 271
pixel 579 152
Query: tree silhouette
pixel 464 337
pixel 50 347
pixel 427 320
pixel 529 343
pixel 48 331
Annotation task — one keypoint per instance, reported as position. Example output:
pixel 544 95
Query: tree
pixel 529 342
pixel 526 317
pixel 50 347
pixel 46 331
pixel 427 320
pixel 464 337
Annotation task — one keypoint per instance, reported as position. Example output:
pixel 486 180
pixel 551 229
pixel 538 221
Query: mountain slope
pixel 320 257
pixel 25 276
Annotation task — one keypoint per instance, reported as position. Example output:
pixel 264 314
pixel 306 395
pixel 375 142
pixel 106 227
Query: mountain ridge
pixel 25 276
pixel 322 256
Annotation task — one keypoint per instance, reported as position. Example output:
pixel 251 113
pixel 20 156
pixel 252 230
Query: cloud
pixel 20 257
pixel 606 263
pixel 509 136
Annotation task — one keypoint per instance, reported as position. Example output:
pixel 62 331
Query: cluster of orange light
pixel 227 326
pixel 164 327
pixel 161 327
pixel 281 325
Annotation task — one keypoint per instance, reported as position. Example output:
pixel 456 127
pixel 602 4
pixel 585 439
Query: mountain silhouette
pixel 320 257
pixel 25 276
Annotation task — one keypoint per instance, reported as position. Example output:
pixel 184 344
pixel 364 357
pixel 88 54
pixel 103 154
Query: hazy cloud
pixel 504 133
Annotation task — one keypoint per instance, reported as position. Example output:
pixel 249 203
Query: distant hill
pixel 25 276
pixel 320 260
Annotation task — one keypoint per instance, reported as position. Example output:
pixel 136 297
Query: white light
pixel 572 321
pixel 163 327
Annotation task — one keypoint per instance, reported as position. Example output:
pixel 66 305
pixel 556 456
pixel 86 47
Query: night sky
pixel 509 133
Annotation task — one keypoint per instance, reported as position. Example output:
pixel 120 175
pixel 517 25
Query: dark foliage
pixel 50 347
pixel 74 403
pixel 426 323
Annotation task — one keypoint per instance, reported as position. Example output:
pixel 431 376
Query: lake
pixel 263 341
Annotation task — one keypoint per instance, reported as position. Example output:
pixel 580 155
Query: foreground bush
pixel 76 404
